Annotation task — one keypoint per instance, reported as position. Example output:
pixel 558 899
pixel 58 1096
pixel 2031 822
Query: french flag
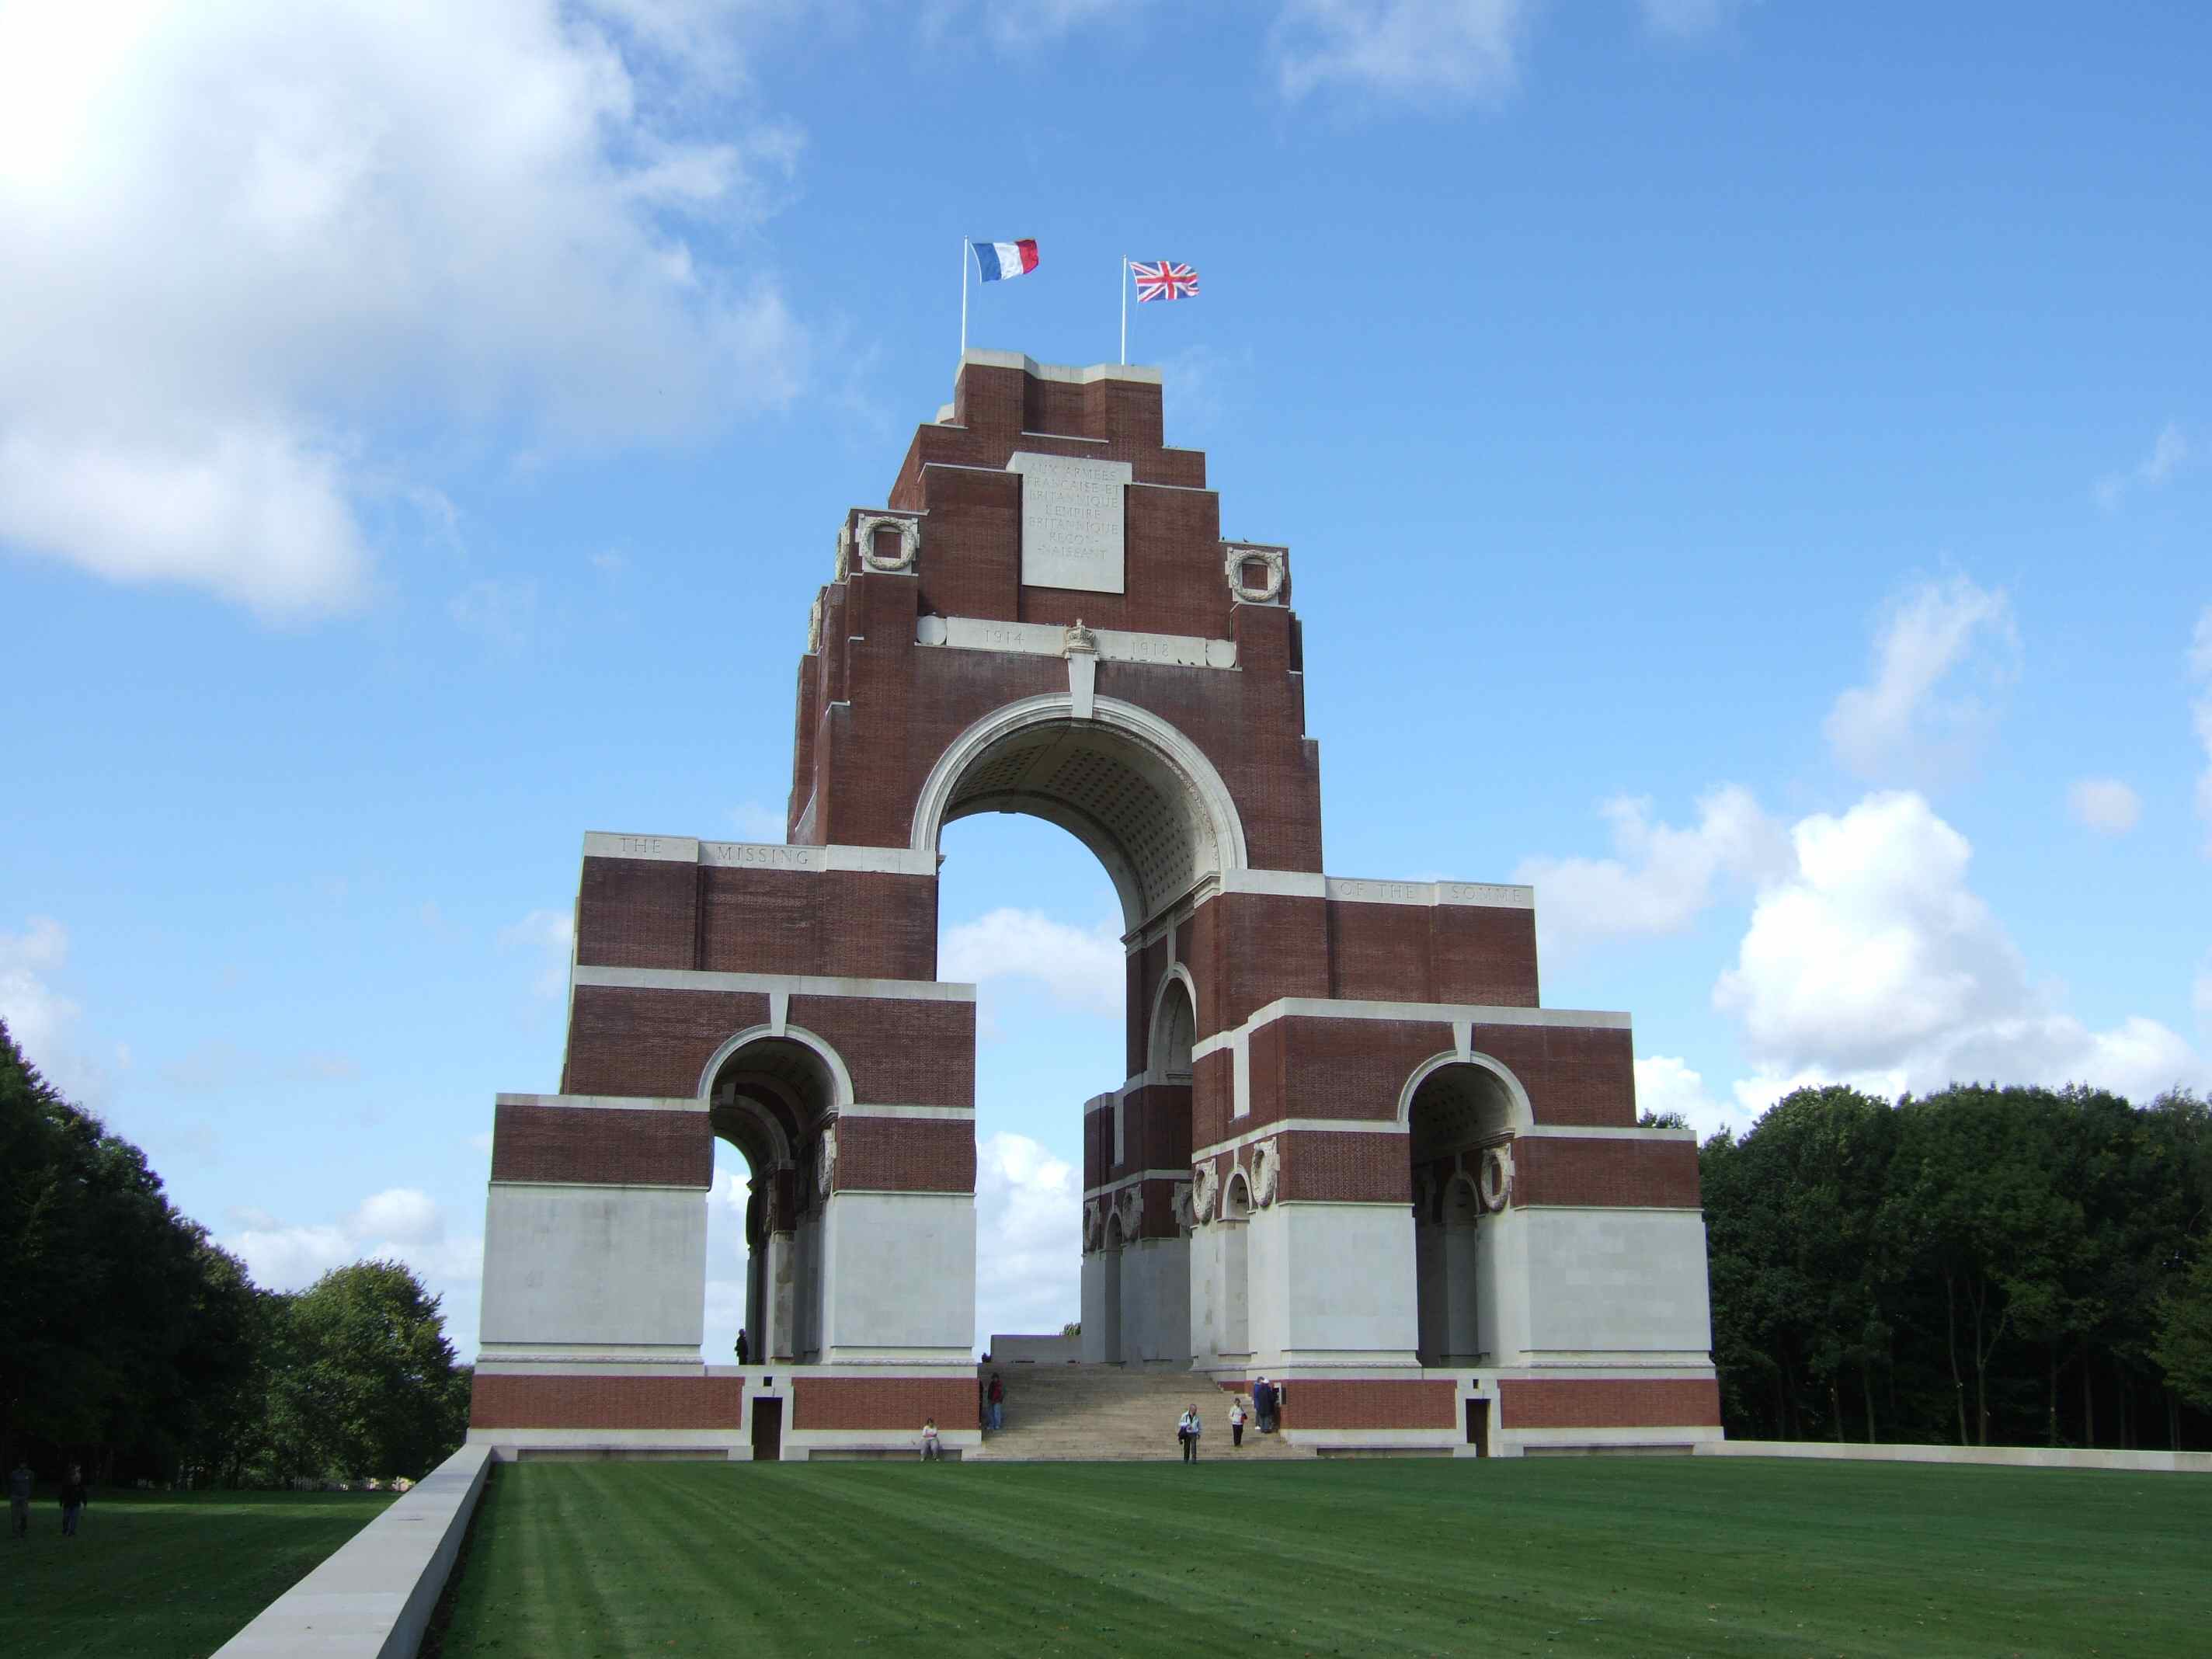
pixel 997 259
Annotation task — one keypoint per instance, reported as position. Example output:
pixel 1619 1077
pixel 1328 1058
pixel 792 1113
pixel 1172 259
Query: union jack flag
pixel 1163 281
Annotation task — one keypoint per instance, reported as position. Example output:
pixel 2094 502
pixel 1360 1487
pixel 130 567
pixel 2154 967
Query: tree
pixel 364 1382
pixel 2184 1347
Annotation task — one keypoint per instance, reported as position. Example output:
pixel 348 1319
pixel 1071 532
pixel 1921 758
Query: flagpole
pixel 963 298
pixel 1125 310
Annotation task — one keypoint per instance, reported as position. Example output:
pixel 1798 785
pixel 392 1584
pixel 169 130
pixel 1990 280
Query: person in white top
pixel 1186 1430
pixel 1237 1421
pixel 930 1448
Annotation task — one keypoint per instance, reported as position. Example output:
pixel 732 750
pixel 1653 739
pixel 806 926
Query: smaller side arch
pixel 1520 1114
pixel 840 1079
pixel 1176 974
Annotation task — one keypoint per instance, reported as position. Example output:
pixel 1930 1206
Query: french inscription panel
pixel 1072 521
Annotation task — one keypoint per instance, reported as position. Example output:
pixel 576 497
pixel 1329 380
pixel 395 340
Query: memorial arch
pixel 1347 1145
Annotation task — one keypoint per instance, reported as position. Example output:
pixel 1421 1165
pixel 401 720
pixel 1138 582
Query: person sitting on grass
pixel 930 1446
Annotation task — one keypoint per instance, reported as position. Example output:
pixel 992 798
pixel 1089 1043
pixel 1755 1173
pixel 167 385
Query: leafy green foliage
pixel 1984 1265
pixel 136 1346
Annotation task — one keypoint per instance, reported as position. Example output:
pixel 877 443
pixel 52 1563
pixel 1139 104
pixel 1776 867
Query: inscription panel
pixel 1072 521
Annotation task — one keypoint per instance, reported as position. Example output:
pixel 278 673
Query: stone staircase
pixel 1114 1414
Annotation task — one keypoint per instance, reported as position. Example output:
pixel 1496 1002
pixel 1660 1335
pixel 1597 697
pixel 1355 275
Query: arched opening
pixel 1461 1116
pixel 1110 1308
pixel 774 1099
pixel 1236 1267
pixel 1175 1028
pixel 1155 818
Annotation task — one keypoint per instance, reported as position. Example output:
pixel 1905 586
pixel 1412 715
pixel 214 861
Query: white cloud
pixel 2169 452
pixel 1082 968
pixel 1663 877
pixel 37 1015
pixel 1876 965
pixel 400 1223
pixel 756 822
pixel 550 936
pixel 1029 1209
pixel 1685 19
pixel 261 228
pixel 1421 50
pixel 1666 1084
pixel 1903 721
pixel 2200 712
pixel 2104 805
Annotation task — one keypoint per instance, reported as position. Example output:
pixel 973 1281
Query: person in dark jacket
pixel 998 1399
pixel 1263 1405
pixel 73 1496
pixel 745 1348
pixel 18 1500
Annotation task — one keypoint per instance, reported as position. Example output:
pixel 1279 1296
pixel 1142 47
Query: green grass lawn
pixel 1610 1556
pixel 165 1573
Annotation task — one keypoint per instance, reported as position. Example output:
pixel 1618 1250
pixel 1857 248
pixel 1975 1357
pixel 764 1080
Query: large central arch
pixel 1126 784
pixel 1347 1146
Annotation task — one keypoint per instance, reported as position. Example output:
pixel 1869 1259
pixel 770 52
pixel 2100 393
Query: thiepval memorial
pixel 1349 1148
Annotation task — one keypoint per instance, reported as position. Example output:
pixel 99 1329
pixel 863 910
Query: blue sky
pixel 1748 468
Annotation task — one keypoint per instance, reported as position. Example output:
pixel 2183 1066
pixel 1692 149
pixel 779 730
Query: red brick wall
pixel 1660 1174
pixel 501 1401
pixel 1574 1075
pixel 616 1145
pixel 1321 1404
pixel 1604 1403
pixel 900 1053
pixel 1432 953
pixel 844 923
pixel 637 913
pixel 887 1402
pixel 906 1155
pixel 1343 1068
pixel 1346 1169
pixel 623 1042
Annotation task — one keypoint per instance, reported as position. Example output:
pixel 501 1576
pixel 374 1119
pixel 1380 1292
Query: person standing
pixel 1263 1398
pixel 1186 1430
pixel 745 1348
pixel 998 1402
pixel 73 1496
pixel 19 1499
pixel 1236 1420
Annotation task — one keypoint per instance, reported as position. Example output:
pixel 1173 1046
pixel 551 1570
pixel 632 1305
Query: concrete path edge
pixel 2030 1457
pixel 374 1597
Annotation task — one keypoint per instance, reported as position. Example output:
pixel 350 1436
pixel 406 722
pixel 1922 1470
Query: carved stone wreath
pixel 814 626
pixel 1094 1227
pixel 1234 555
pixel 1205 1187
pixel 1132 1213
pixel 910 534
pixel 825 1167
pixel 844 551
pixel 1496 1185
pixel 1266 1170
pixel 1181 1206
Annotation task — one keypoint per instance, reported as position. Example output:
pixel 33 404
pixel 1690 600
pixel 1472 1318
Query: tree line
pixel 1977 1266
pixel 134 1345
